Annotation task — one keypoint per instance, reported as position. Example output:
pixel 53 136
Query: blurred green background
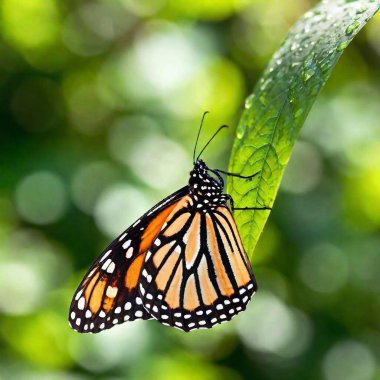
pixel 100 102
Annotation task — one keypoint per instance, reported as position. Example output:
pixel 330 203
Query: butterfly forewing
pixel 108 293
pixel 196 273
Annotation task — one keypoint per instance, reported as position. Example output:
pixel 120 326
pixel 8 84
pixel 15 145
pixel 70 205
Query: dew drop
pixel 263 101
pixel 249 101
pixel 308 14
pixel 351 28
pixel 240 131
pixel 342 45
pixel 298 113
pixel 325 67
pixel 294 46
pixel 307 74
pixel 361 10
pixel 265 84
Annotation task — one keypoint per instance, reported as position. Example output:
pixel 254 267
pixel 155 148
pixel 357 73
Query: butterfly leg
pixel 236 174
pixel 230 199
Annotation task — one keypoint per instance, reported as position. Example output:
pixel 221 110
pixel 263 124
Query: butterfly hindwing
pixel 196 273
pixel 108 293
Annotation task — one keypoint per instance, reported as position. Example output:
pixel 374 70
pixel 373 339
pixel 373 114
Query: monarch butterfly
pixel 182 263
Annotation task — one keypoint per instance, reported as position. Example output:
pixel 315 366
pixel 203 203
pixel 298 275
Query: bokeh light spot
pixel 165 172
pixel 122 344
pixel 349 360
pixel 324 268
pixel 41 198
pixel 30 24
pixel 166 56
pixel 19 297
pixel 118 207
pixel 277 329
pixel 304 170
pixel 89 181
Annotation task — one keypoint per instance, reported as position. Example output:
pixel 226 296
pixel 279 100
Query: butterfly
pixel 182 263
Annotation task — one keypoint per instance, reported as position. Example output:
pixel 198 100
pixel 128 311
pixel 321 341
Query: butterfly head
pixel 204 188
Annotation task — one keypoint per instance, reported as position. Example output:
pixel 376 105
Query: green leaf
pixel 280 102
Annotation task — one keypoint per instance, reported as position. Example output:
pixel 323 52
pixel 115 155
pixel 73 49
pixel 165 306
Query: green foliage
pixel 280 102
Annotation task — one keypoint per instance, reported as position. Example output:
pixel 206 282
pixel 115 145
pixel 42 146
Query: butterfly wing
pixel 108 293
pixel 196 273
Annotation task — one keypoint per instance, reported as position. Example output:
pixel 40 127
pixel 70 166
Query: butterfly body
pixel 182 263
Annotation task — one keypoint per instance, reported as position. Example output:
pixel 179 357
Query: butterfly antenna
pixel 212 138
pixel 199 132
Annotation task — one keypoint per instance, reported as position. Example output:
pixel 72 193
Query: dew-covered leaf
pixel 280 102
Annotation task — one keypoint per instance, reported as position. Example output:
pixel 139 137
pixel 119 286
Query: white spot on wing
pixel 78 295
pixel 81 303
pixel 111 267
pixel 126 244
pixel 111 292
pixel 105 265
pixel 129 253
pixel 91 273
pixel 105 255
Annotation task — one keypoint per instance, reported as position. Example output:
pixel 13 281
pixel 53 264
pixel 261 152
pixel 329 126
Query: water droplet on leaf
pixel 351 28
pixel 298 113
pixel 263 101
pixel 249 101
pixel 342 45
pixel 240 131
pixel 307 74
pixel 361 10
